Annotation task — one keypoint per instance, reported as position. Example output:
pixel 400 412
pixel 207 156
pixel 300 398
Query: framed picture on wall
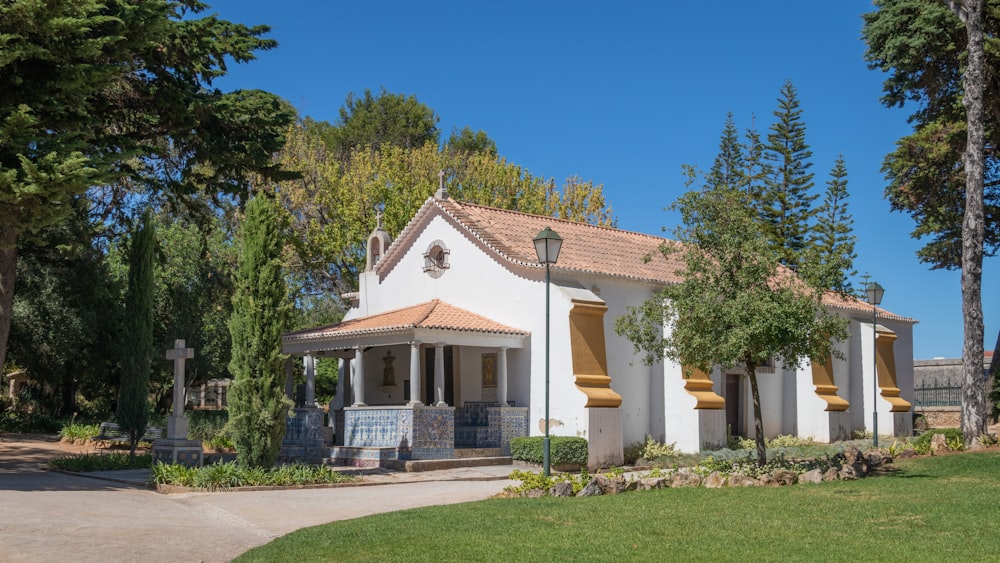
pixel 489 370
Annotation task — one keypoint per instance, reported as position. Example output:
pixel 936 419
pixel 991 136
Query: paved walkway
pixel 108 516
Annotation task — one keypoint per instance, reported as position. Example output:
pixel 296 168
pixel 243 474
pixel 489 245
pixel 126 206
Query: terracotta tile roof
pixel 586 248
pixel 434 314
pixel 839 301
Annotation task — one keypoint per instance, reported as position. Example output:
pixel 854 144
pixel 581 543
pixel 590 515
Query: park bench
pixel 110 432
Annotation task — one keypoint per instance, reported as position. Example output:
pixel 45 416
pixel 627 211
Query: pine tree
pixel 261 310
pixel 833 238
pixel 786 205
pixel 729 169
pixel 133 394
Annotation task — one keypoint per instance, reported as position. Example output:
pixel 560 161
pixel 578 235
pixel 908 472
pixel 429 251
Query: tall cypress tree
pixel 137 345
pixel 261 309
pixel 833 236
pixel 786 205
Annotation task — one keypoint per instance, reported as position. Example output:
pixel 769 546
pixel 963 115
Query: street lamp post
pixel 874 293
pixel 547 246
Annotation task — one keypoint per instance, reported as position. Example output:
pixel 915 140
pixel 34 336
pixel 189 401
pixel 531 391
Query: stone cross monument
pixel 177 423
pixel 176 448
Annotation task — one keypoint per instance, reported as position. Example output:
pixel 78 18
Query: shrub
pixel 101 462
pixel 206 426
pixel 563 450
pixel 651 450
pixel 34 423
pixel 79 433
pixel 222 476
pixel 922 444
pixel 531 480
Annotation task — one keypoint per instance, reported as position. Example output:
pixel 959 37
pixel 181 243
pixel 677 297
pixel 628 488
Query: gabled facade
pixel 444 349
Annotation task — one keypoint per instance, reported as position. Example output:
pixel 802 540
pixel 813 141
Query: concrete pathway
pixel 50 516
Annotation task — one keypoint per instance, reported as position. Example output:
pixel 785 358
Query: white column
pixel 309 363
pixel 415 374
pixel 439 375
pixel 358 382
pixel 342 397
pixel 502 377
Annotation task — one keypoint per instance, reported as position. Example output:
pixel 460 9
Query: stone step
pixel 415 465
pixel 462 453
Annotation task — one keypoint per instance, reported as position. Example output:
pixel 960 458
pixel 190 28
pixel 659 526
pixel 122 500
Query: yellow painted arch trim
pixel 590 360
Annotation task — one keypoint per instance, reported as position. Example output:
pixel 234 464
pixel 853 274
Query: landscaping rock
pixel 650 483
pixel 562 489
pixel 905 454
pixel 685 478
pixel 784 477
pixel 832 474
pixel 610 485
pixel 811 476
pixel 876 459
pixel 591 490
pixel 534 493
pixel 848 473
pixel 715 480
pixel 939 443
pixel 739 480
pixel 851 455
pixel 630 486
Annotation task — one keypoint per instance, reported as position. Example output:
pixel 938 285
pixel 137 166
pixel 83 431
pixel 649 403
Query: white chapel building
pixel 444 347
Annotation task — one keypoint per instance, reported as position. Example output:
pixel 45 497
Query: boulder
pixel 811 476
pixel 740 480
pixel 591 490
pixel 848 473
pixel 938 443
pixel 851 455
pixel 610 485
pixel 534 493
pixel 715 480
pixel 875 459
pixel 562 489
pixel 784 477
pixel 685 478
pixel 831 474
pixel 650 483
pixel 906 454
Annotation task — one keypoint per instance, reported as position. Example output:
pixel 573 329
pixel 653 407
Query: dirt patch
pixel 27 452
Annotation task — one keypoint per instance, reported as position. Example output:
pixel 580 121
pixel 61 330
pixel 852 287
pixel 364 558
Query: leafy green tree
pixel 374 121
pixel 469 141
pixel 261 309
pixel 66 315
pixel 833 238
pixel 942 55
pixel 736 304
pixel 786 202
pixel 333 206
pixel 137 335
pixel 95 92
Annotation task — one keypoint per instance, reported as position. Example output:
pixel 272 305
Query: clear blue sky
pixel 624 93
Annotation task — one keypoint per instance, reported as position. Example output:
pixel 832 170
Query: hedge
pixel 563 450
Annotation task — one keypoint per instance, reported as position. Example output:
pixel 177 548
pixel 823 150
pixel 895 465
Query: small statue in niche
pixel 389 372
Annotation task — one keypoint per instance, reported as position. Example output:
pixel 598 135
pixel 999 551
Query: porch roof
pixel 433 321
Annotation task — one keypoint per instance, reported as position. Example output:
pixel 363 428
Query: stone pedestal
pixel 177 427
pixel 185 452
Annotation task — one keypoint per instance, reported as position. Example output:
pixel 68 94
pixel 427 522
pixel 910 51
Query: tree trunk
pixel 974 413
pixel 758 421
pixel 8 265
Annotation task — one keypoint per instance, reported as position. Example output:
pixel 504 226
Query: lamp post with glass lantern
pixel 547 246
pixel 874 293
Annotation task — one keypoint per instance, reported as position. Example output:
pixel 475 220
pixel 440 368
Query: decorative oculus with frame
pixel 436 259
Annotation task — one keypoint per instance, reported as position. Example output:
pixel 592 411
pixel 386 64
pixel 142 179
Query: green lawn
pixel 929 509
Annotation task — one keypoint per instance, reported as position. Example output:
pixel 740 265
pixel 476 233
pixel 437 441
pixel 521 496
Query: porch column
pixel 415 374
pixel 502 376
pixel 289 380
pixel 309 363
pixel 201 401
pixel 358 381
pixel 439 375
